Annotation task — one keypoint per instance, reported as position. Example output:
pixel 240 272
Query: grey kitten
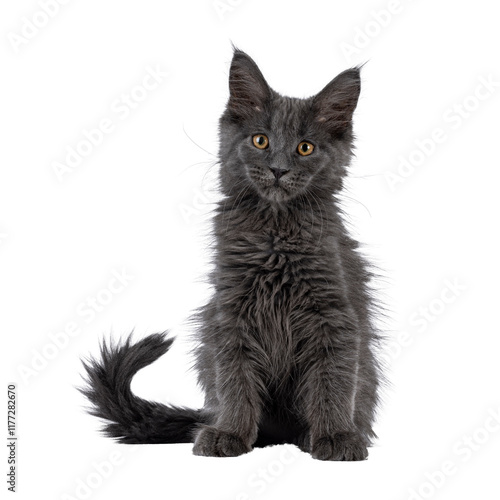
pixel 285 347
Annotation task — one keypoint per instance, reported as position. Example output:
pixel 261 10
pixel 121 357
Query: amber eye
pixel 305 148
pixel 260 141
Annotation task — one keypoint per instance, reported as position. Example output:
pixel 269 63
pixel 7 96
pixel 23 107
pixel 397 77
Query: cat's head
pixel 280 147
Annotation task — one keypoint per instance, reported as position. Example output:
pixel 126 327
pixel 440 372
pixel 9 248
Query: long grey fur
pixel 286 346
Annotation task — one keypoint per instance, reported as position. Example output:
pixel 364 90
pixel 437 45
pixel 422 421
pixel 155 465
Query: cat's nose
pixel 279 172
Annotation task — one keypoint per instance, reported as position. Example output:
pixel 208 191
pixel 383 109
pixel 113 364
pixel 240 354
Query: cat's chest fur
pixel 271 270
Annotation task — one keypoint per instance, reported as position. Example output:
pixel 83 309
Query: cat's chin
pixel 276 194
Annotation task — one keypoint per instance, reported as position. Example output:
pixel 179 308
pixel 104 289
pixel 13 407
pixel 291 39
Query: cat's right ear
pixel 248 89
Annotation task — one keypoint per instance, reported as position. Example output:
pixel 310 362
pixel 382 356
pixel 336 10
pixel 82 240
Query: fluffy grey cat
pixel 285 347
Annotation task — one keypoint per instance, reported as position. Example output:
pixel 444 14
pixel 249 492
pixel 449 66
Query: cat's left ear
pixel 335 104
pixel 248 89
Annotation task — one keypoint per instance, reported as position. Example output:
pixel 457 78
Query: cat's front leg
pixel 238 388
pixel 328 394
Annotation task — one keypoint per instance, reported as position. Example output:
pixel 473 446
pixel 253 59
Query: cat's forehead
pixel 289 114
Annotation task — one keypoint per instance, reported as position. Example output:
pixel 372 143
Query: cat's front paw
pixel 346 446
pixel 211 442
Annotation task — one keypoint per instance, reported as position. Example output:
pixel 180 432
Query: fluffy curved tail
pixel 132 419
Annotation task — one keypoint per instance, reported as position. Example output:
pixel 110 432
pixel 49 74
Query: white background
pixel 140 203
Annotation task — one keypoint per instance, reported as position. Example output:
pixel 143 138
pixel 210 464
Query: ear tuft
pixel 335 104
pixel 248 89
